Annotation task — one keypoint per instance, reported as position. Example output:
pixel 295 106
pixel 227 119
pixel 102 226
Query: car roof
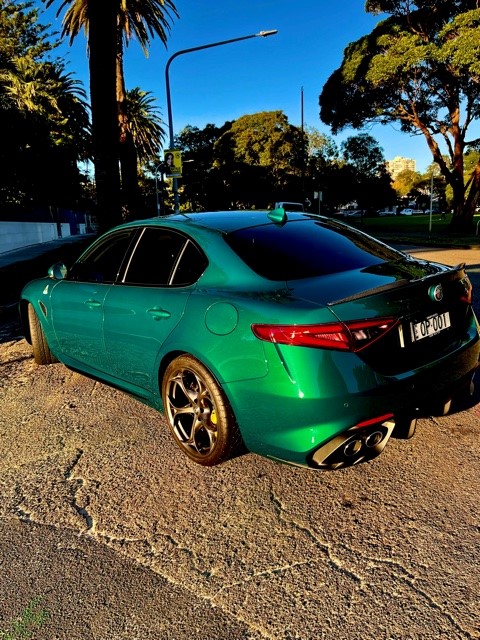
pixel 223 221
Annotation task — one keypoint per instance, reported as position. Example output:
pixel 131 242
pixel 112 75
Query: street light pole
pixel 261 34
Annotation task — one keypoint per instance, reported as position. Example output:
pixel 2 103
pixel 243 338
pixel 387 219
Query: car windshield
pixel 306 249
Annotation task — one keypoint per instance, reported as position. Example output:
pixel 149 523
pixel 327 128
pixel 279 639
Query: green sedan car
pixel 286 334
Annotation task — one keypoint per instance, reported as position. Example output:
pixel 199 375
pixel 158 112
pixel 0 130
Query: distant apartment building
pixel 399 164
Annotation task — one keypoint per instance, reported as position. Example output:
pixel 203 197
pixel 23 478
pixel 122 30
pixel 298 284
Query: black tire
pixel 41 350
pixel 198 413
pixel 405 427
pixel 441 408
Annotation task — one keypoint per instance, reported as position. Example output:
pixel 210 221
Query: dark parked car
pixel 293 335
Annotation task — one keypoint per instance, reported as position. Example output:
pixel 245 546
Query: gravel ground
pixel 119 537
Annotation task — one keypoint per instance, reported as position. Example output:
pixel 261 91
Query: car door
pixel 143 309
pixel 77 302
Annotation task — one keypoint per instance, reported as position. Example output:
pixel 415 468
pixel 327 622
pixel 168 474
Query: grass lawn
pixel 417 229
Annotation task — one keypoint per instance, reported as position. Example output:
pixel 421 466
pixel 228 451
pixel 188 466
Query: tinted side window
pixel 104 260
pixel 190 267
pixel 155 257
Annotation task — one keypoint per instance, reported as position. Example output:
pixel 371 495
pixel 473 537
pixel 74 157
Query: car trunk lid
pixel 430 301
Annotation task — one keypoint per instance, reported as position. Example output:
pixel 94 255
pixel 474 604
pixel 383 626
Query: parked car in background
pixel 357 213
pixel 291 334
pixel 386 212
pixel 410 212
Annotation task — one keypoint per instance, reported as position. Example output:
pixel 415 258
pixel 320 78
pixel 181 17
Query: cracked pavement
pixel 105 520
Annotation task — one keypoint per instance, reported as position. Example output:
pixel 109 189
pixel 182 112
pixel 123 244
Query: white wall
pixel 15 235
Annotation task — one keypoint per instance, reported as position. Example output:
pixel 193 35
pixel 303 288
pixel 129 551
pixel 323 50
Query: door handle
pixel 93 304
pixel 157 313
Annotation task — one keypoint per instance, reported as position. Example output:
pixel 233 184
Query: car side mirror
pixel 58 271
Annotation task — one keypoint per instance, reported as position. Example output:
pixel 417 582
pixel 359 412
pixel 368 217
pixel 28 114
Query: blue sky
pixel 260 74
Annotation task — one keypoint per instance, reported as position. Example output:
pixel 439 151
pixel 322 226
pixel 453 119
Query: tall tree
pixel 267 143
pixel 368 168
pixel 145 124
pixel 419 67
pixel 100 22
pixel 405 182
pixel 21 34
pixel 44 115
pixel 201 186
pixel 322 171
pixel 142 19
pixel 109 26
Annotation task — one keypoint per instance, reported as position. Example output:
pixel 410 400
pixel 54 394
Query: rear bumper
pixel 309 419
pixel 357 444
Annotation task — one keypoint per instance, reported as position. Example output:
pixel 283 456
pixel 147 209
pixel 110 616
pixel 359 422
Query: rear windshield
pixel 306 249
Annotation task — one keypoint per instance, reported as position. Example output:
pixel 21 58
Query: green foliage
pixel 419 68
pixel 32 618
pixel 269 148
pixel 145 124
pixel 257 160
pixel 198 144
pixel 202 185
pixel 21 34
pixel 266 139
pixel 44 115
pixel 471 160
pixel 250 162
pixel 461 45
pixel 405 182
pixel 321 147
pixel 364 154
pixel 141 19
pixel 368 172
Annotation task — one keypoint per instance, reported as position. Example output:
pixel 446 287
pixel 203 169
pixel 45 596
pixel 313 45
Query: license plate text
pixel 430 326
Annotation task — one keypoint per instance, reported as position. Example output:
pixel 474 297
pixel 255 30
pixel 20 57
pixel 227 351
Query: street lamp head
pixel 264 34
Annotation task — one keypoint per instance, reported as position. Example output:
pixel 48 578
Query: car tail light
pixel 467 294
pixel 344 336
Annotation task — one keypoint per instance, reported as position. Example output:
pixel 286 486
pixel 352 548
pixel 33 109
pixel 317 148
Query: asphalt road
pixel 120 537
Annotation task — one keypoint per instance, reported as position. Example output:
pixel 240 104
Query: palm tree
pixel 145 124
pixel 140 141
pixel 46 131
pixel 109 26
pixel 148 134
pixel 46 90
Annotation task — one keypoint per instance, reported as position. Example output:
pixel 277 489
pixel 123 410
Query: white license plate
pixel 430 326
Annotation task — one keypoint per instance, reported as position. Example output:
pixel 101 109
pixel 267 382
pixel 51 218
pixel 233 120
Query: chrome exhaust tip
pixel 374 439
pixel 353 446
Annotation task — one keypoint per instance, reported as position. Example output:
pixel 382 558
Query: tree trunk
pixel 128 168
pixel 102 43
pixel 127 149
pixel 464 205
